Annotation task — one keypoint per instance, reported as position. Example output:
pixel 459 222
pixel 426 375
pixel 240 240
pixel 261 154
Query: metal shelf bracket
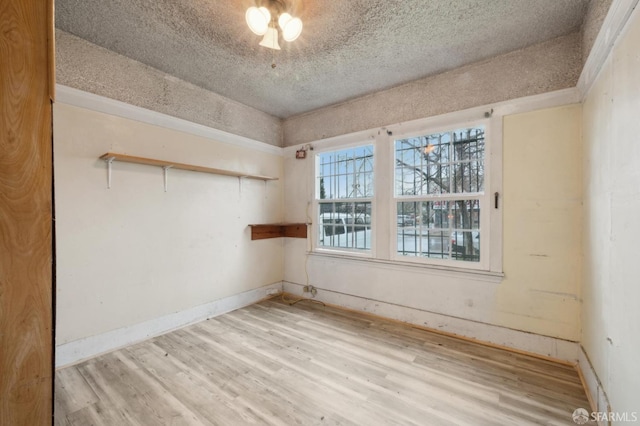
pixel 165 171
pixel 109 161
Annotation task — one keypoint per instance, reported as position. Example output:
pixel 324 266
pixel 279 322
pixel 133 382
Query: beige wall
pixel 611 290
pixel 542 262
pixel 542 223
pixel 133 252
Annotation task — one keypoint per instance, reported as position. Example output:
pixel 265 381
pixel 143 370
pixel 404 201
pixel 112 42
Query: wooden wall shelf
pixel 109 157
pixel 277 230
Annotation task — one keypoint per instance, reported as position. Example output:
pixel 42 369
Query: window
pixel 344 193
pixel 439 195
pixel 415 194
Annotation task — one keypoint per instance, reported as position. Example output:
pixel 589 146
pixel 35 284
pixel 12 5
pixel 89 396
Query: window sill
pixel 449 271
pixel 351 254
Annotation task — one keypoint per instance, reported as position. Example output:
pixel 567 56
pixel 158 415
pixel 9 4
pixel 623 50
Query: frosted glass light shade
pixel 270 39
pixel 283 19
pixel 258 19
pixel 291 27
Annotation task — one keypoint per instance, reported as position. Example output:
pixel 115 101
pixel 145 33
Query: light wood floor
pixel 275 364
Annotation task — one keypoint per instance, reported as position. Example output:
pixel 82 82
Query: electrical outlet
pixel 310 289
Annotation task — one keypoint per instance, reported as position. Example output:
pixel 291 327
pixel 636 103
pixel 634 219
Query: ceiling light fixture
pixel 265 20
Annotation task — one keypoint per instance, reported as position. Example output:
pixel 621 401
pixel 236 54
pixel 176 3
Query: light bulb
pixel 291 27
pixel 283 19
pixel 258 19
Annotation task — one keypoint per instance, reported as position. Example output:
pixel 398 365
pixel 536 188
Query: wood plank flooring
pixel 275 364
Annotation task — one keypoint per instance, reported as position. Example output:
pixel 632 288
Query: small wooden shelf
pixel 111 156
pixel 277 230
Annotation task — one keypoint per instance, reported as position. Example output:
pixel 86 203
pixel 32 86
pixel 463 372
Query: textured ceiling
pixel 348 48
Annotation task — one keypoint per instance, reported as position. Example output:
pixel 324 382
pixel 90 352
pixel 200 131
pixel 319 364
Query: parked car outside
pixel 458 244
pixel 406 220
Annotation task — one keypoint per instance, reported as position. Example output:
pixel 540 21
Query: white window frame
pixel 315 203
pixel 383 204
pixel 484 199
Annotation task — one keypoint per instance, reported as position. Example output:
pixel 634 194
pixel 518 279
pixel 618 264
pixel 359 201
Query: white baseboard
pixel 593 386
pixel 89 347
pixel 551 347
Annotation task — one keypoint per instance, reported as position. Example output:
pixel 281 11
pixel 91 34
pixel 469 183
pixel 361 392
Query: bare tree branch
pixel 435 179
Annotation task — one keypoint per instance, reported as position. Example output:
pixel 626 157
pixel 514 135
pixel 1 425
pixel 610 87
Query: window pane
pixel 440 163
pixel 346 174
pixel 345 225
pixel 439 229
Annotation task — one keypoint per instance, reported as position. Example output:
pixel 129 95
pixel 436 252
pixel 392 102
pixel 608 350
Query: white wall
pixel 542 222
pixel 133 253
pixel 611 289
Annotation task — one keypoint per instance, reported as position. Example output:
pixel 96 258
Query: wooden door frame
pixel 27 85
